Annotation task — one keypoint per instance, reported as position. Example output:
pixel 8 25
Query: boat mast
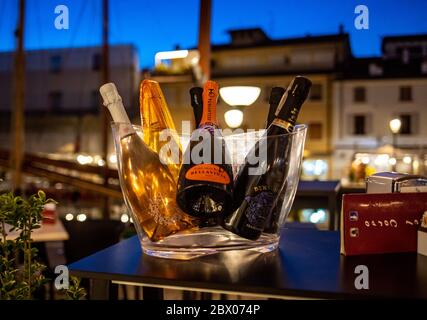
pixel 18 121
pixel 104 113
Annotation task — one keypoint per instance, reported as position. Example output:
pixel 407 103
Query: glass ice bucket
pixel 150 195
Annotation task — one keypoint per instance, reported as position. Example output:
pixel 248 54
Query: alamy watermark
pixel 362 280
pixel 62 20
pixel 361 21
pixel 62 281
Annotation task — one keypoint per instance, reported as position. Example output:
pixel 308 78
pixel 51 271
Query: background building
pixel 62 100
pixel 373 91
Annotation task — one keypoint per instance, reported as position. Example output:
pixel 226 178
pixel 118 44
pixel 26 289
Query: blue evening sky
pixel 157 25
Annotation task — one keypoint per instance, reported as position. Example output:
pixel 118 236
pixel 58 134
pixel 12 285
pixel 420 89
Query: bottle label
pixel 208 172
pixel 259 207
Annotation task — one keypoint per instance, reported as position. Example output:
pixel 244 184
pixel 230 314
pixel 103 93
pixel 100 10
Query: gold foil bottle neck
pixel 155 114
pixel 151 89
pixel 156 117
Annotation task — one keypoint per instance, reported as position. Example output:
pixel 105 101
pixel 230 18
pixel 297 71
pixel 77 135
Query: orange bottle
pixel 205 185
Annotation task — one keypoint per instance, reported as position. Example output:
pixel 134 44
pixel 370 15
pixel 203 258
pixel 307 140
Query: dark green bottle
pixel 255 195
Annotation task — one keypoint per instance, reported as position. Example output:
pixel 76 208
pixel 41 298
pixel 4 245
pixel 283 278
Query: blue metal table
pixel 307 265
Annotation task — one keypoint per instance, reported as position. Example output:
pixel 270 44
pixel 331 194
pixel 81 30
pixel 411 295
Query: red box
pixel 381 223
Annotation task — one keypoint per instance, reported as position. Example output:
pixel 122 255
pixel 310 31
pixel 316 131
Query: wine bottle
pixel 196 98
pixel 156 119
pixel 205 184
pixel 257 193
pixel 275 96
pixel 147 183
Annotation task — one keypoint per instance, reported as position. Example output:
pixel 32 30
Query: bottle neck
pixel 285 121
pixel 114 104
pixel 196 96
pixel 290 105
pixel 275 97
pixel 210 96
pixel 151 113
pixel 154 110
pixel 119 115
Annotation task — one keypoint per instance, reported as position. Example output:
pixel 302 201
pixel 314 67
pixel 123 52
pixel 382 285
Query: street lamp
pixel 395 126
pixel 233 118
pixel 238 97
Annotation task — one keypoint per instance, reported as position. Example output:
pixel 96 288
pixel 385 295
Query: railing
pixel 67 172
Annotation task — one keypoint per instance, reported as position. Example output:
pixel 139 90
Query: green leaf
pixel 42 195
